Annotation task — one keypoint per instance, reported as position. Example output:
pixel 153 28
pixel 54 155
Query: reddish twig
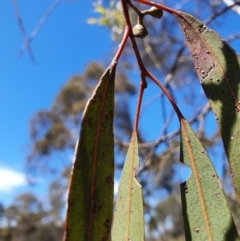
pixel 164 90
pixel 144 72
pixel 160 6
pixel 121 45
pixel 143 85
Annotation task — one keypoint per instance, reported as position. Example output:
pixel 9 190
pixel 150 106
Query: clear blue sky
pixel 62 48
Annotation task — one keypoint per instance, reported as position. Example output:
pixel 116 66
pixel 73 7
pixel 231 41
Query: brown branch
pixel 139 13
pixel 22 29
pixel 232 37
pixel 38 27
pixel 198 117
pixel 220 12
pixel 150 53
pixel 168 78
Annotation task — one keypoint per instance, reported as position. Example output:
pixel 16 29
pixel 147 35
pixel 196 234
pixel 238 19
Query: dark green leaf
pixel 90 201
pixel 218 68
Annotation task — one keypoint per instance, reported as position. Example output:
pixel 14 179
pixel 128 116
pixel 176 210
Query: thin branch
pixel 168 78
pixel 38 27
pixel 220 12
pixel 164 90
pixel 235 8
pixel 142 68
pixel 158 5
pixel 180 5
pixel 200 114
pixel 121 45
pixel 151 100
pixel 150 53
pixel 139 13
pixel 143 85
pixel 22 29
pixel 174 66
pixel 232 37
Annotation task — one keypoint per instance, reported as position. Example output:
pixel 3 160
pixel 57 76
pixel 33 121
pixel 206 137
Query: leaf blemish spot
pixel 106 147
pixel 196 230
pixel 213 175
pixel 107 223
pixel 108 179
pixel 217 194
pixel 104 238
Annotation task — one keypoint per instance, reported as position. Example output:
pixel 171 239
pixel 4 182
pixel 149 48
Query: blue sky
pixel 63 47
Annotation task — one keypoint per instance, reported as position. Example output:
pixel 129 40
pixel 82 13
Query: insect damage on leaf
pixel 218 68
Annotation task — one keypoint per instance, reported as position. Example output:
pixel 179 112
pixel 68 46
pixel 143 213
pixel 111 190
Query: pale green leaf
pixel 207 216
pixel 100 9
pixel 92 20
pixel 128 221
pixel 103 21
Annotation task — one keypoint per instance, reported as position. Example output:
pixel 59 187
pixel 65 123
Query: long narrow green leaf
pixel 206 213
pixel 218 68
pixel 90 201
pixel 128 216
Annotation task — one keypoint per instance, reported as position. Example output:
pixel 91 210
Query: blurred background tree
pixel 56 130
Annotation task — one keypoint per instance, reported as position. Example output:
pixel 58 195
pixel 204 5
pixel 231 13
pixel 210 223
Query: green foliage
pixel 110 16
pixel 56 130
pixel 203 200
pixel 128 221
pixel 218 68
pixel 91 218
pixel 205 209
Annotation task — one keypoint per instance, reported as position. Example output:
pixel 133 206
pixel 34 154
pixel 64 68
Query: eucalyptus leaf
pixel 128 221
pixel 218 68
pixel 90 200
pixel 205 209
